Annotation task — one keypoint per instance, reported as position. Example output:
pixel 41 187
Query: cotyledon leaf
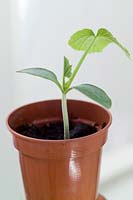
pixel 43 73
pixel 95 93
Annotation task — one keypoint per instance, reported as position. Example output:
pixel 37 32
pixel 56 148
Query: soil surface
pixel 54 130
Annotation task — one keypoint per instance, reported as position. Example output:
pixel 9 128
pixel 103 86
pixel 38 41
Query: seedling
pixel 84 40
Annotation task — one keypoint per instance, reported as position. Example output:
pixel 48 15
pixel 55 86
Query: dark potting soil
pixel 54 130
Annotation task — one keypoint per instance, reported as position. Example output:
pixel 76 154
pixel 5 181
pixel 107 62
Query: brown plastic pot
pixel 60 169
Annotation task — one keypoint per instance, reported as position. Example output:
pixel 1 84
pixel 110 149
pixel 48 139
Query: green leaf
pixel 95 94
pixel 86 40
pixel 67 68
pixel 43 73
pixel 82 39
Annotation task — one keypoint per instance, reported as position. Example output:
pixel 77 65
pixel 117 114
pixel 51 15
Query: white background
pixel 34 33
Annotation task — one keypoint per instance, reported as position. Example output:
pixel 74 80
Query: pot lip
pixel 33 140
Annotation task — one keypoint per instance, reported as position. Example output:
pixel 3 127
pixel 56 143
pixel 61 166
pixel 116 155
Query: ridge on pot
pixel 60 169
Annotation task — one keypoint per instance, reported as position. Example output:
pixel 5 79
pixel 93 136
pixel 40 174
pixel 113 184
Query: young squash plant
pixel 87 41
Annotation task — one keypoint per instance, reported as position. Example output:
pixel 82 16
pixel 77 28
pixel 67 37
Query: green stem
pixel 76 69
pixel 65 117
pixel 68 84
pixel 63 81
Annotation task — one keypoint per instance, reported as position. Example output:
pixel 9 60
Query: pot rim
pixel 58 141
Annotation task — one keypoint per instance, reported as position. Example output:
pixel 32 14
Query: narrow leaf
pixel 67 68
pixel 43 73
pixel 95 94
pixel 86 40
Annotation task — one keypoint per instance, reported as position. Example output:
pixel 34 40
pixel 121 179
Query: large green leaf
pixel 67 68
pixel 43 73
pixel 82 39
pixel 86 40
pixel 95 94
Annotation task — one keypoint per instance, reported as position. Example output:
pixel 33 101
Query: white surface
pixel 117 174
pixel 116 162
pixel 119 187
pixel 35 33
